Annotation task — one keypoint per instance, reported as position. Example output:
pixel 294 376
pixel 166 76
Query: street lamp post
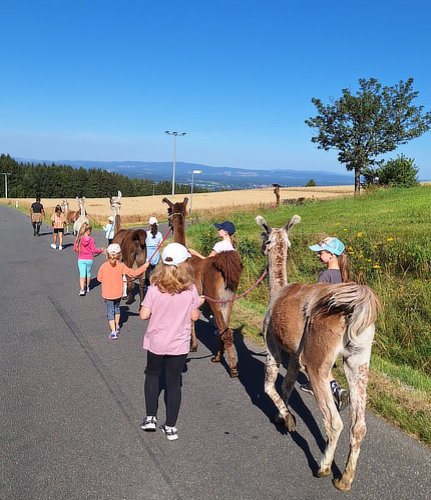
pixel 191 188
pixel 5 182
pixel 175 134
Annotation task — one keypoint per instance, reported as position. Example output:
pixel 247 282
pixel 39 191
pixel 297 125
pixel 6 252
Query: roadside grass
pixel 388 243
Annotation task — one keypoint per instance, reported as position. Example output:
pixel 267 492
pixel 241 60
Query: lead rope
pixel 265 272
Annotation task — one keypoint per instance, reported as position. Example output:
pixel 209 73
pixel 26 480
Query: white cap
pixel 174 254
pixel 152 221
pixel 111 218
pixel 113 249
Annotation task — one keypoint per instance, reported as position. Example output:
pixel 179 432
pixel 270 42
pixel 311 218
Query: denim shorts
pixel 112 308
pixel 84 267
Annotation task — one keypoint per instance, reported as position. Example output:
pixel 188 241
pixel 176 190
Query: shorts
pixel 36 217
pixel 58 229
pixel 112 308
pixel 84 267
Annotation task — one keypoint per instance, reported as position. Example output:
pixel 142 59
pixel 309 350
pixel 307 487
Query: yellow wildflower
pixel 359 235
pixel 389 239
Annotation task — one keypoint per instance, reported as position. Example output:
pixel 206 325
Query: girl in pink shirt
pixel 86 248
pixel 111 276
pixel 170 304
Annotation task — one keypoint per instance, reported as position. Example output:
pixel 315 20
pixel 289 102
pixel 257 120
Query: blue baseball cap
pixel 329 244
pixel 227 226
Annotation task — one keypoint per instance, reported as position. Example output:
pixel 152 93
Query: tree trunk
pixel 357 181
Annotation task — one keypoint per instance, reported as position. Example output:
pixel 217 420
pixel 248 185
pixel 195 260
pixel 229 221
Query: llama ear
pixel 262 222
pixel 294 220
pixel 185 201
pixel 109 196
pixel 169 202
pixel 119 194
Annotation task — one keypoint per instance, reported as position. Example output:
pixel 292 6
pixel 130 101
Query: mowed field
pixel 137 210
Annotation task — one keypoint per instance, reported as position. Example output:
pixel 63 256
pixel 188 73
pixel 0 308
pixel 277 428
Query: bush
pixel 310 183
pixel 400 173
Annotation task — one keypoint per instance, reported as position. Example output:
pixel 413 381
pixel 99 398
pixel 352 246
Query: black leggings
pixel 173 368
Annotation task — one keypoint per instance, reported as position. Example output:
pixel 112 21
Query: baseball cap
pixel 227 226
pixel 111 218
pixel 152 221
pixel 175 253
pixel 329 244
pixel 113 249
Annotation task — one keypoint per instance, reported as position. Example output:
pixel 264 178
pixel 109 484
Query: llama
pixel 315 324
pixel 133 248
pixel 70 216
pixel 217 277
pixel 82 216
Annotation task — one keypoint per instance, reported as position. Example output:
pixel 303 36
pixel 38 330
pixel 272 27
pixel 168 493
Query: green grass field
pixel 388 243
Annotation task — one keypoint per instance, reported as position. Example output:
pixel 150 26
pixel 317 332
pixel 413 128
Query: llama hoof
pixel 323 472
pixel 341 485
pixel 215 359
pixel 290 423
pixel 233 373
pixel 193 348
pixel 129 301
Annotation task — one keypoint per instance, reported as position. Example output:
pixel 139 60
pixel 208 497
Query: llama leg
pixel 290 378
pixel 331 416
pixel 194 341
pixel 357 378
pixel 227 339
pixel 271 372
pixel 130 287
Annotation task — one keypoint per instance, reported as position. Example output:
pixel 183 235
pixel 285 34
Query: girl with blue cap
pixel 330 252
pixel 226 231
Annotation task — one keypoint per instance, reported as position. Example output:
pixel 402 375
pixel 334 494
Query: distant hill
pixel 215 178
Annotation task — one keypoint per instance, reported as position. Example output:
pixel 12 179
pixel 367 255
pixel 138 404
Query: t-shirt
pixel 111 278
pixel 37 207
pixel 58 220
pixel 223 246
pixel 330 276
pixel 152 245
pixel 169 327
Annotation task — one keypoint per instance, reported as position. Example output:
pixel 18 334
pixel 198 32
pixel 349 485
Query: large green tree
pixel 368 124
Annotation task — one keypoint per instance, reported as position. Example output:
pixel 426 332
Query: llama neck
pixel 277 270
pixel 117 224
pixel 179 233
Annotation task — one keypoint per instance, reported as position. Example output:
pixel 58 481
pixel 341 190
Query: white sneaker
pixel 171 432
pixel 149 424
pixel 53 246
pixel 60 247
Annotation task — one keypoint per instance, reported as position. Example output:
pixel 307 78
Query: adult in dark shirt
pixel 37 215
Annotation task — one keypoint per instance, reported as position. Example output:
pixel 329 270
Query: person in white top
pixel 226 231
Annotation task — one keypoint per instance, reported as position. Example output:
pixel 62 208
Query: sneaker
pixel 341 398
pixel 307 388
pixel 87 289
pixel 81 293
pixel 53 246
pixel 117 330
pixel 60 247
pixel 113 336
pixel 149 424
pixel 171 432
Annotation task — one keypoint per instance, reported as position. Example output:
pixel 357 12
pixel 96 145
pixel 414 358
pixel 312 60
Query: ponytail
pixel 233 240
pixel 344 268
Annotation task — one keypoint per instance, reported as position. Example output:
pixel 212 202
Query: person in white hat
pixel 109 230
pixel 170 304
pixel 153 240
pixel 111 276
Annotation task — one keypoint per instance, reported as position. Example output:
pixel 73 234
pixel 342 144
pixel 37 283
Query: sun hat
pixel 152 221
pixel 227 226
pixel 175 253
pixel 332 245
pixel 113 249
pixel 111 218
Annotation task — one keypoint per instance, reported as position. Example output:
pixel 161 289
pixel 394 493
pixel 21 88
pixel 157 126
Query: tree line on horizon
pixel 27 180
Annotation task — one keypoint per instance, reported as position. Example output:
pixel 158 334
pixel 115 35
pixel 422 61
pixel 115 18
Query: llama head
pixel 176 211
pixel 115 203
pixel 276 238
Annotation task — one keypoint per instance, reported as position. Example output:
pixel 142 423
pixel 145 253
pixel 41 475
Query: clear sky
pixel 103 80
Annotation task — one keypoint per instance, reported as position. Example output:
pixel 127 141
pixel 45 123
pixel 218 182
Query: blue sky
pixel 103 80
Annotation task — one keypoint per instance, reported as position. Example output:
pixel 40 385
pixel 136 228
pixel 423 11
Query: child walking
pixel 111 276
pixel 86 248
pixel 171 303
pixel 57 221
pixel 330 252
pixel 153 240
pixel 226 231
pixel 109 230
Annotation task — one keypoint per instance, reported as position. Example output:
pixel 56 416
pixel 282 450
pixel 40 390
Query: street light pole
pixel 5 181
pixel 175 134
pixel 191 188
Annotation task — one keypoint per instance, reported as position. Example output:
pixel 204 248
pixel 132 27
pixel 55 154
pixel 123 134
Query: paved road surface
pixel 71 405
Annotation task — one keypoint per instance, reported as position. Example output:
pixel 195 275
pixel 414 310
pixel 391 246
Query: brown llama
pixel 315 324
pixel 216 277
pixel 133 248
pixel 277 194
pixel 71 216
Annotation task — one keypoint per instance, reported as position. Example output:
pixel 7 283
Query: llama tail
pixel 358 303
pixel 230 266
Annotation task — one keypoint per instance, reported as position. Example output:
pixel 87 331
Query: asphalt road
pixel 72 403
